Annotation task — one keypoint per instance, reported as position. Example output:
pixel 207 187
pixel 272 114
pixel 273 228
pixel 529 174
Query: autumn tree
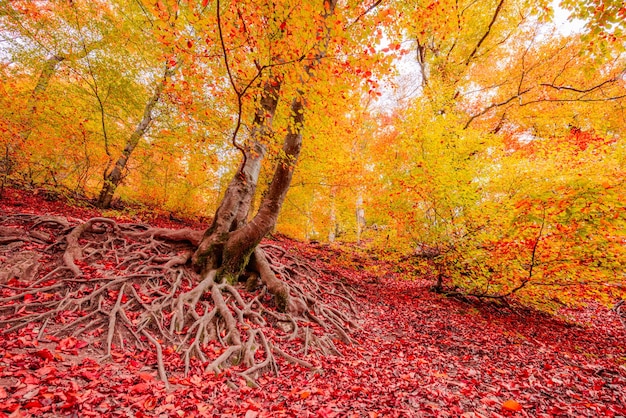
pixel 467 167
pixel 268 76
pixel 27 37
pixel 113 177
pixel 90 70
pixel 231 240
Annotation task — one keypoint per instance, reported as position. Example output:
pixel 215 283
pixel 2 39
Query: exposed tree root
pixel 130 287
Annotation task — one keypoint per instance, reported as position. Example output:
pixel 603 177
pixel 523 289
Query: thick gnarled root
pixel 130 287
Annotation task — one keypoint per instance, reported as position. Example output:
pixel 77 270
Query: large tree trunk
pixel 235 207
pixel 113 178
pixel 230 244
pixel 241 242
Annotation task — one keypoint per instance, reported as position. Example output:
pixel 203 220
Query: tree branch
pixel 493 106
pixel 578 90
pixel 369 9
pixel 233 85
pixel 493 20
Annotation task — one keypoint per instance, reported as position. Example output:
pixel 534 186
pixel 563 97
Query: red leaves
pixel 139 388
pixel 150 403
pixel 418 354
pixel 89 375
pixel 33 404
pixel 44 354
pixel 146 377
pixel 71 345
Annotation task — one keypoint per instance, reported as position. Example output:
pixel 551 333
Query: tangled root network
pixel 123 287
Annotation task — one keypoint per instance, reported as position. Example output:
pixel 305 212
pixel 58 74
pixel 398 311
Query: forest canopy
pixel 480 139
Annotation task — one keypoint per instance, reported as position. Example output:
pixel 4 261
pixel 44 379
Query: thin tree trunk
pixel 36 96
pixel 360 218
pixel 332 230
pixel 421 61
pixel 113 178
pixel 47 72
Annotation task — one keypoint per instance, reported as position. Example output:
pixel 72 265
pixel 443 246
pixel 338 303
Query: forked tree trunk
pixel 242 242
pixel 235 207
pixel 113 178
pixel 230 244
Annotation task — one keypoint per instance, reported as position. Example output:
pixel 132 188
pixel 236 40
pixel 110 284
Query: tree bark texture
pixel 230 244
pixel 113 178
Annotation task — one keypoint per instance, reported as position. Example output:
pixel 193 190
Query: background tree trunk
pixel 113 178
pixel 36 96
pixel 46 74
pixel 332 218
pixel 360 218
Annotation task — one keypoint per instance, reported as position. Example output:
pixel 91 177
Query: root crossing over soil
pixel 130 287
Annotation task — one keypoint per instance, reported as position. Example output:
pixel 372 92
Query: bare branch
pixel 494 105
pixel 493 20
pixel 579 90
pixel 233 85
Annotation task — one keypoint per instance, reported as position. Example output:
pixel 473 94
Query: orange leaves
pixel 511 405
pixel 392 47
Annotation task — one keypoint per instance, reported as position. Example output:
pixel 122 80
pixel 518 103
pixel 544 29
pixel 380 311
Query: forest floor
pixel 417 354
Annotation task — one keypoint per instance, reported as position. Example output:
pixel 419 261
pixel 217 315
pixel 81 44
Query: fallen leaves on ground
pixel 418 354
